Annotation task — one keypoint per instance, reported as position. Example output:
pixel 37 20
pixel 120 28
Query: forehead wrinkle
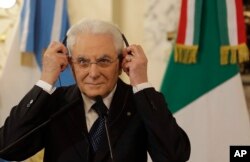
pixel 98 49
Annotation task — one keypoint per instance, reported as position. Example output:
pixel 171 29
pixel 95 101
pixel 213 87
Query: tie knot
pixel 100 108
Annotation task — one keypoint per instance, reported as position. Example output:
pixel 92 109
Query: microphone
pixel 102 110
pixel 101 107
pixel 17 141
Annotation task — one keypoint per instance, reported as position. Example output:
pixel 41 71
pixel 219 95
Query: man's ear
pixel 120 70
pixel 72 67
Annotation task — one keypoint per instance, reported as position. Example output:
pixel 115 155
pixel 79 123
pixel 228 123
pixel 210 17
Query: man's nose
pixel 94 71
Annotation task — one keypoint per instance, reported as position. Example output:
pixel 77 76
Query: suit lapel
pixel 121 110
pixel 77 113
pixel 76 123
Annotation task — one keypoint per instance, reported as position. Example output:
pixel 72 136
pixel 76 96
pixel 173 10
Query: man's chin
pixel 93 91
pixel 93 94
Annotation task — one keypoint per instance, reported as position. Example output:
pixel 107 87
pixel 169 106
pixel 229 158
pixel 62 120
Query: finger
pixel 129 58
pixel 64 50
pixel 58 47
pixel 126 66
pixel 63 59
pixel 126 56
pixel 124 52
pixel 63 67
pixel 126 70
pixel 133 49
pixel 140 49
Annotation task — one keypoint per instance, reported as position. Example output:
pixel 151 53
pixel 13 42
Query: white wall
pixel 101 9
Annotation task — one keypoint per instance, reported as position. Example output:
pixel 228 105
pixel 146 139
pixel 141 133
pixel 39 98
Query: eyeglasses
pixel 102 62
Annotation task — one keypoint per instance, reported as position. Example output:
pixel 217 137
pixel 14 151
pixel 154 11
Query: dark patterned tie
pixel 97 131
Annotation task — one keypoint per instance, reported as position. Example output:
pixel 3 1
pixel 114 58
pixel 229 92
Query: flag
pixel 207 97
pixel 43 21
pixel 230 22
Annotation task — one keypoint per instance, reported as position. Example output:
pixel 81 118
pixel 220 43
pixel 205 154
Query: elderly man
pixel 100 118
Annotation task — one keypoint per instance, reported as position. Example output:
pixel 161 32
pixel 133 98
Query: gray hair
pixel 95 27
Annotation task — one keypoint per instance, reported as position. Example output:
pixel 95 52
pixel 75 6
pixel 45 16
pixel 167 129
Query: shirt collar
pixel 89 102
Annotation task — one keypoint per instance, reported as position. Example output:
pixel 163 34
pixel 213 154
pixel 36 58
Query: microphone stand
pixel 53 116
pixel 4 150
pixel 103 111
pixel 109 143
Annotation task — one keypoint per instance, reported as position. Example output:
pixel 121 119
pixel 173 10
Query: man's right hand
pixel 55 60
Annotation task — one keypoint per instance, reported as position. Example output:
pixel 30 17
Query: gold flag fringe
pixel 185 54
pixel 38 157
pixel 27 59
pixel 234 54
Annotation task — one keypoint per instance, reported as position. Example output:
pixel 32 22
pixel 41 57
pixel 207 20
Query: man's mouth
pixel 94 84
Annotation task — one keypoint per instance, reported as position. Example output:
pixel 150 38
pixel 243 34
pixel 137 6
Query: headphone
pixel 120 56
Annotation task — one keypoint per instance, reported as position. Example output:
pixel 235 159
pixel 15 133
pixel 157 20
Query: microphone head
pixel 101 107
pixel 98 99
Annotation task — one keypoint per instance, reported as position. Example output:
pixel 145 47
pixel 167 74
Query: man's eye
pixel 82 61
pixel 104 60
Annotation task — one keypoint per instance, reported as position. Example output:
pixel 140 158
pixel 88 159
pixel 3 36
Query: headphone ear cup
pixel 65 40
pixel 120 58
pixel 125 40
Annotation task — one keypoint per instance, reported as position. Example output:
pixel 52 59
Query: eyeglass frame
pixel 119 57
pixel 98 62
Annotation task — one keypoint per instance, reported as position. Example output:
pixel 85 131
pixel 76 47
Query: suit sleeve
pixel 27 115
pixel 166 140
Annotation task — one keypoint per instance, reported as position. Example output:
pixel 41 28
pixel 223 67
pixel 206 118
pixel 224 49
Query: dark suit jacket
pixel 138 123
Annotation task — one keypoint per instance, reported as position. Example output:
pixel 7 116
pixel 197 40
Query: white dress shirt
pixel 90 114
